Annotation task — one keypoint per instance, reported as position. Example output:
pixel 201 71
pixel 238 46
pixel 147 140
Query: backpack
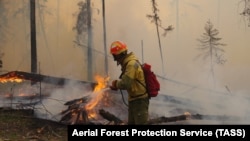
pixel 152 83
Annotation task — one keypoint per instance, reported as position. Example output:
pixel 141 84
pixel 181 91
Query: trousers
pixel 138 111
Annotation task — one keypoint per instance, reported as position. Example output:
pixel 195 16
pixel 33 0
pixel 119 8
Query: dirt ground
pixel 21 125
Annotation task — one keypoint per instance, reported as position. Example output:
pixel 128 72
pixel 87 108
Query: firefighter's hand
pixel 113 85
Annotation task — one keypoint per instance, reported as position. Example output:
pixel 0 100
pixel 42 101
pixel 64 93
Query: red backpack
pixel 152 84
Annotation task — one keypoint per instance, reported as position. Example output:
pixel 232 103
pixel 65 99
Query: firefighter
pixel 138 100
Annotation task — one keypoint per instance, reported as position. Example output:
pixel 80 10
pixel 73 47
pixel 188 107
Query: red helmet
pixel 117 47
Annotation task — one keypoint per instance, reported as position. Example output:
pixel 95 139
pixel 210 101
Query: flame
pixel 12 77
pixel 97 95
pixel 101 83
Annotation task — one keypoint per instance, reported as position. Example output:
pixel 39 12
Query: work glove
pixel 113 85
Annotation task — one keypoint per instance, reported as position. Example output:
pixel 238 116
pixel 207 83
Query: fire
pixel 12 77
pixel 101 83
pixel 84 109
pixel 97 94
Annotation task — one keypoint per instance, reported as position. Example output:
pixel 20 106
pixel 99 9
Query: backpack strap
pixel 123 71
pixel 146 91
pixel 144 77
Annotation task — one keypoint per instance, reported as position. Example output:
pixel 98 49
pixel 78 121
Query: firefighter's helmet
pixel 118 47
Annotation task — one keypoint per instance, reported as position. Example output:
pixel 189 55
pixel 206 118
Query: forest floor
pixel 21 125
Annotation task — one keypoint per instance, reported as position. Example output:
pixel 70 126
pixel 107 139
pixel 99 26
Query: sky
pixel 126 21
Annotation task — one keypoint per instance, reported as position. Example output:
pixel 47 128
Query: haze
pixel 126 20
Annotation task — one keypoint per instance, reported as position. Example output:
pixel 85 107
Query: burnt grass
pixel 22 125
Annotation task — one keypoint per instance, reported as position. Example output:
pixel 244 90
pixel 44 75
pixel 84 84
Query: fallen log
pixel 76 116
pixel 27 105
pixel 216 117
pixel 161 120
pixel 110 117
pixel 167 119
pixel 41 78
pixel 76 112
pixel 84 99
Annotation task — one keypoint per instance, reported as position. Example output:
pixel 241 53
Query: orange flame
pixel 97 95
pixel 11 79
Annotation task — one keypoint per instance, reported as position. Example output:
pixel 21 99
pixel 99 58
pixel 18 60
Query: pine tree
pixel 246 10
pixel 211 47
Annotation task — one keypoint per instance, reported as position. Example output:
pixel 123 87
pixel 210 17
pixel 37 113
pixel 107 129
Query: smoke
pixel 176 98
pixel 51 106
pixel 217 107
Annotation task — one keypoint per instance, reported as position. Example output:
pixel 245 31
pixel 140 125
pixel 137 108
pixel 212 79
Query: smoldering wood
pixel 74 116
pixel 158 120
pixel 84 99
pixel 74 104
pixel 66 117
pixel 82 117
pixel 77 106
pixel 76 112
pixel 43 78
pixel 71 108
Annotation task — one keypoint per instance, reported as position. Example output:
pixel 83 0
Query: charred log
pixel 75 116
pixel 163 119
pixel 110 117
pixel 75 104
pixel 66 118
pixel 216 117
pixel 41 78
pixel 80 100
pixel 82 117
pixel 167 119
pixel 76 112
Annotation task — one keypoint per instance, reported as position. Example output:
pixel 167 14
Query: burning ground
pixel 87 110
pixel 75 102
pixel 70 102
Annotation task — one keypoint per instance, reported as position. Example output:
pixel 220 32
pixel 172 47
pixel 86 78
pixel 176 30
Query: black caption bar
pixel 241 132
